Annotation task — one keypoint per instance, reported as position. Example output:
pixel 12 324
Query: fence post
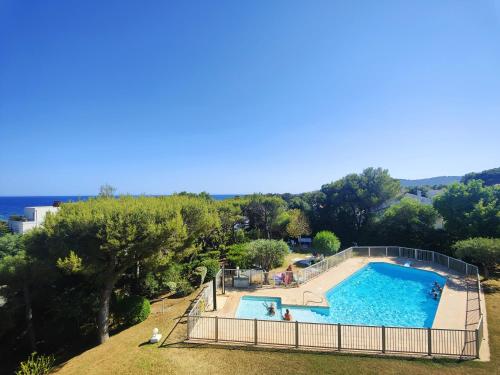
pixel 433 257
pixel 296 334
pixel 214 292
pixel 478 343
pixel 448 262
pixel 223 278
pixel 369 252
pixel 189 327
pixel 386 251
pixel 216 329
pixel 400 252
pixel 416 258
pixel 429 342
pixel 383 339
pixel 255 332
pixel 339 335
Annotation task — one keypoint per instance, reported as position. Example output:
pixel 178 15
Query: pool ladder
pixel 304 297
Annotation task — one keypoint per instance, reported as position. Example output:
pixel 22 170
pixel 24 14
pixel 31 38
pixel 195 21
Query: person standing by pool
pixel 287 315
pixel 288 275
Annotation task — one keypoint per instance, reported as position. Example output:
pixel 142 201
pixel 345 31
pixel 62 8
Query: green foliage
pixel 489 177
pixel 172 286
pixel 238 256
pixel 4 228
pixel 36 365
pixel 326 242
pixel 352 201
pixel 200 272
pixel 212 265
pixel 483 251
pixel 408 223
pixel 298 224
pixel 262 212
pixel 470 210
pixel 10 244
pixel 70 264
pixel 267 254
pixel 132 310
pixel 107 191
pixel 184 288
pixel 112 235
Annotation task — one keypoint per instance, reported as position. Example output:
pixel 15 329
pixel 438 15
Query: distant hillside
pixel 440 180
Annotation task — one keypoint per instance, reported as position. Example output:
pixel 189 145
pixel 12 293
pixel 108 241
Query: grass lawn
pixel 127 353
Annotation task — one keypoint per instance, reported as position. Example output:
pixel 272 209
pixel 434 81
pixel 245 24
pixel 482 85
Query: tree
pixel 17 272
pixel 470 210
pixel 326 242
pixel 4 228
pixel 112 235
pixel 489 177
pixel 10 244
pixel 262 212
pixel 238 255
pixel 267 254
pixel 408 223
pixel 479 250
pixel 298 224
pixel 352 201
pixel 107 191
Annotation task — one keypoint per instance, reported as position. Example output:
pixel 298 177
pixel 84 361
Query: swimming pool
pixel 377 294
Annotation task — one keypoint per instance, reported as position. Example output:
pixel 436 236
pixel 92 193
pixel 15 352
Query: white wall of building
pixel 35 217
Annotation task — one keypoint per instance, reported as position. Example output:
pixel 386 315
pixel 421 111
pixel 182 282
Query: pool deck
pixel 451 312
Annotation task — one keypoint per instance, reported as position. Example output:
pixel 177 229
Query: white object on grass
pixel 156 336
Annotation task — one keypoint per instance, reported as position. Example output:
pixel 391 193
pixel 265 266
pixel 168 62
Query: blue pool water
pixel 378 294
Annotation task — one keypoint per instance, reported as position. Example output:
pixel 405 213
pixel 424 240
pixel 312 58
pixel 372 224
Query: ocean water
pixel 15 205
pixel 378 294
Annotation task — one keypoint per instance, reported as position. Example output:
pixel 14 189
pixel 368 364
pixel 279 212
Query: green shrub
pixel 184 288
pixel 200 273
pixel 212 266
pixel 172 286
pixel 36 365
pixel 481 251
pixel 326 242
pixel 239 256
pixel 267 254
pixel 133 309
pixel 150 285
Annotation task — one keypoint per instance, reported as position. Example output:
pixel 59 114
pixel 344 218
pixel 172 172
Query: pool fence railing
pixel 462 343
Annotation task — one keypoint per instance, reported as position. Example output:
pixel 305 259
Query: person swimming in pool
pixel 437 286
pixel 271 310
pixel 287 315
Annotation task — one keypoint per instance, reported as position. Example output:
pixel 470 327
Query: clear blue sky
pixel 243 96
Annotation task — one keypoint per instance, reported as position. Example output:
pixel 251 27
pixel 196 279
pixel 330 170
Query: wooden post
pixel 214 293
pixel 339 336
pixel 383 339
pixel 255 332
pixel 429 342
pixel 296 334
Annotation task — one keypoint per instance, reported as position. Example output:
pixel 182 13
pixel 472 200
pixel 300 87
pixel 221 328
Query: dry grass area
pixel 127 353
pixel 291 258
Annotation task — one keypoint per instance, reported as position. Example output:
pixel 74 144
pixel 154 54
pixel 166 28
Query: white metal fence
pixel 430 341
